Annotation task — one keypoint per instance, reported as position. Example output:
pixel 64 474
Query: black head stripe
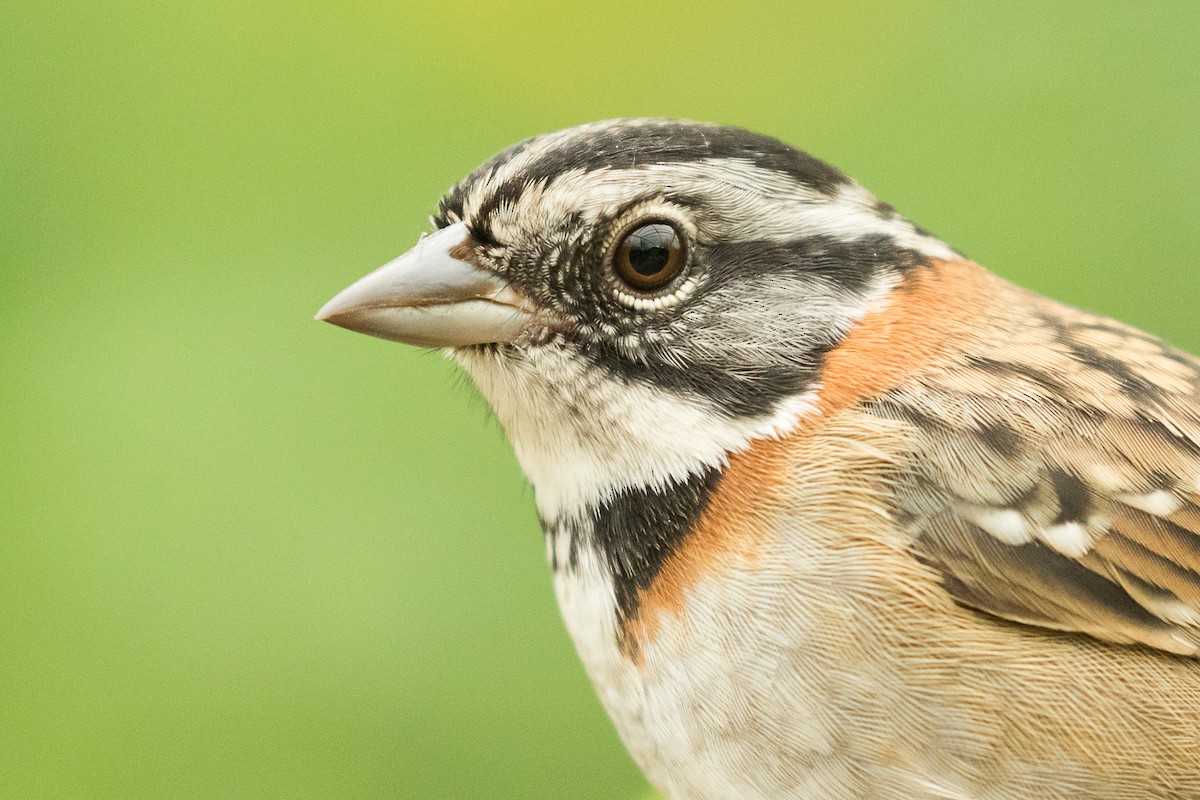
pixel 642 142
pixel 634 143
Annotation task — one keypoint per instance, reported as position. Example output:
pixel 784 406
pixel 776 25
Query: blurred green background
pixel 245 555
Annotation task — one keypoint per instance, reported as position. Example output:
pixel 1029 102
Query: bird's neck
pixel 621 473
pixel 585 442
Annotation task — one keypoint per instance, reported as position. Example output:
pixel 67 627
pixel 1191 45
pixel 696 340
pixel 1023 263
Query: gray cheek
pixel 772 324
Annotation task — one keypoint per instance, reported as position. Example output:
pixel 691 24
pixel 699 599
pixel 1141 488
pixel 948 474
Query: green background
pixel 245 555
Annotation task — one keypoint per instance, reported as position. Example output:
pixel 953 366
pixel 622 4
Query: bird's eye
pixel 650 257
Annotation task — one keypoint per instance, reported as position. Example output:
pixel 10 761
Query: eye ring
pixel 650 256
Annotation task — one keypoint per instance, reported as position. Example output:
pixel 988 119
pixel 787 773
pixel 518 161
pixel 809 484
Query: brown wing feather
pixel 1053 477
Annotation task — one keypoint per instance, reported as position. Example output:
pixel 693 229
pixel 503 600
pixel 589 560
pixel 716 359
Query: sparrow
pixel 832 511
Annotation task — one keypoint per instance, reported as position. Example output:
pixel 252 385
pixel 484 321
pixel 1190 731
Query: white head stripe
pixel 742 201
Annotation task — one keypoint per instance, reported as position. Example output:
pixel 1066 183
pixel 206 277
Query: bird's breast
pixel 727 644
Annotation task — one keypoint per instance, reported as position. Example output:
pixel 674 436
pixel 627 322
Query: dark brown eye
pixel 650 257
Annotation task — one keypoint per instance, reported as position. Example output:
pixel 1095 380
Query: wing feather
pixel 1056 481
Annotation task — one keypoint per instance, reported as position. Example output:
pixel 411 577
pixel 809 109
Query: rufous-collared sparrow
pixel 832 511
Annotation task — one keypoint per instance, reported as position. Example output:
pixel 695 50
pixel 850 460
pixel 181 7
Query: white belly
pixel 741 698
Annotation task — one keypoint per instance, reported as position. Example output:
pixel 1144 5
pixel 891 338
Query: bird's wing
pixel 1056 482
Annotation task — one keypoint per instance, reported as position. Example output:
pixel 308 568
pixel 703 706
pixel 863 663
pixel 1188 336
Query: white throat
pixel 580 436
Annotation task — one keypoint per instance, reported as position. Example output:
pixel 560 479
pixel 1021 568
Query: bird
pixel 832 511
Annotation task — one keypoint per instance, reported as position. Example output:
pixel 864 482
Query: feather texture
pixel 1050 473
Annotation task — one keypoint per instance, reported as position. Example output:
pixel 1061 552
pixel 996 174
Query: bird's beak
pixel 430 298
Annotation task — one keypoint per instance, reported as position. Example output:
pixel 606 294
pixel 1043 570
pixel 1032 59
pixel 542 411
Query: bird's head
pixel 637 299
